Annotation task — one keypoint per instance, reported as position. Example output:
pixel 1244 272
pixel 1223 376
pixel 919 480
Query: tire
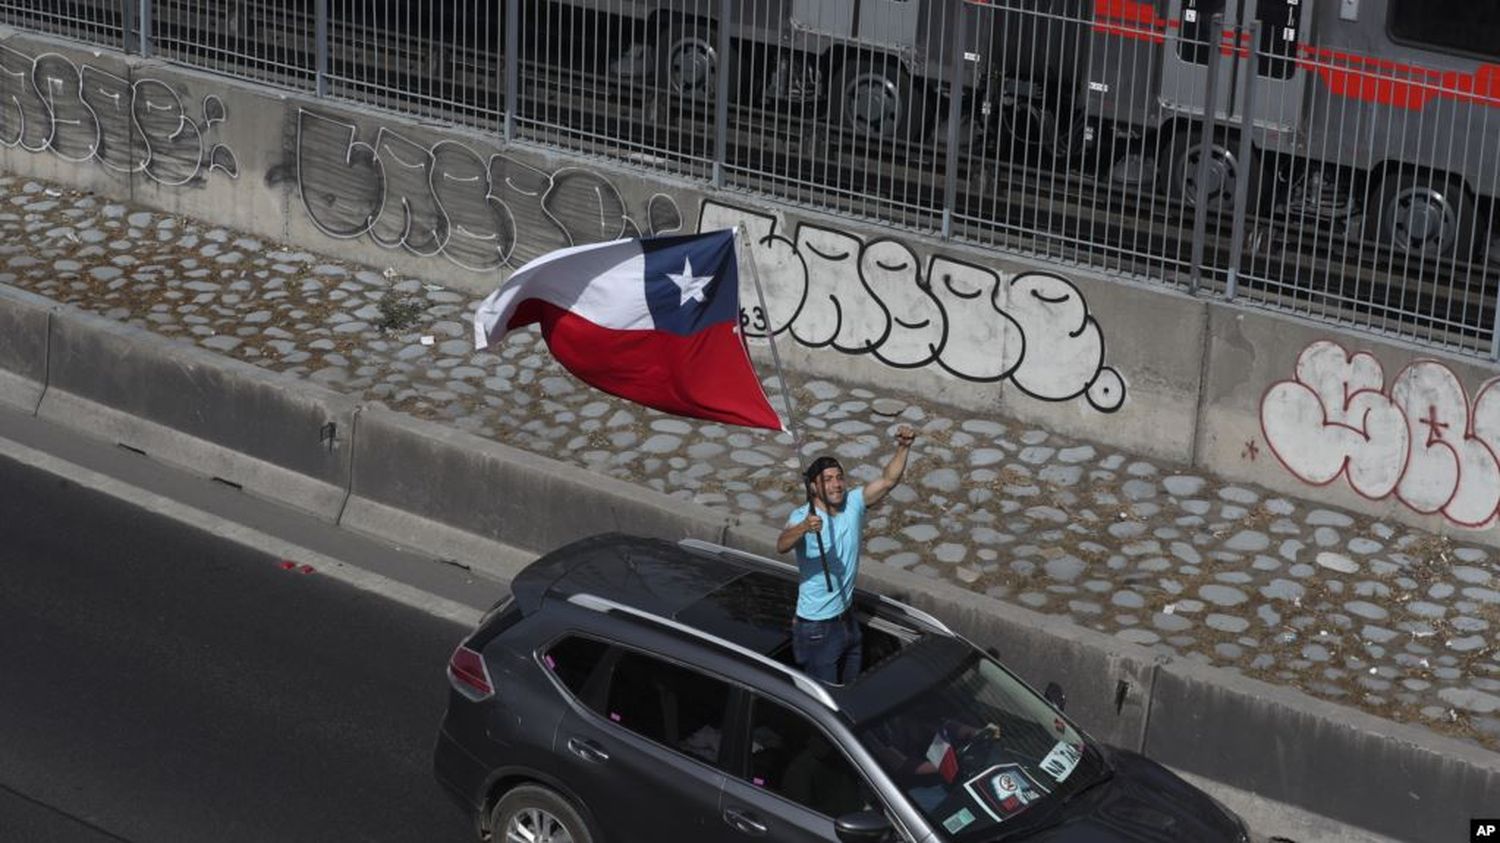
pixel 1179 178
pixel 688 61
pixel 1041 132
pixel 873 98
pixel 541 811
pixel 1424 215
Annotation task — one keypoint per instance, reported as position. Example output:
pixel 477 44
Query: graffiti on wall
pixel 1420 438
pixel 84 114
pixel 480 212
pixel 827 288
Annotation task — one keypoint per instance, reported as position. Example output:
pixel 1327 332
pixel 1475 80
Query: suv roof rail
pixel 915 614
pixel 805 683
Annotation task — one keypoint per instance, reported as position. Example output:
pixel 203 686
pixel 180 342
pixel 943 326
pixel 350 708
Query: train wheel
pixel 1424 215
pixel 873 97
pixel 1036 126
pixel 688 60
pixel 1179 178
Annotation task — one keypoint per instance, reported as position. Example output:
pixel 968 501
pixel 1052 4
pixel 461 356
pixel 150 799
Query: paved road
pixel 160 683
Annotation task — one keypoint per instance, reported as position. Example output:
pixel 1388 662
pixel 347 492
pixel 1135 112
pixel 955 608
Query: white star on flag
pixel 691 285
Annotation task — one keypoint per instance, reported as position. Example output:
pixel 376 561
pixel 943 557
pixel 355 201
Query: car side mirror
pixel 862 827
pixel 1055 695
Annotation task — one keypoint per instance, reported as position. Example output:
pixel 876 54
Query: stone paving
pixel 1394 621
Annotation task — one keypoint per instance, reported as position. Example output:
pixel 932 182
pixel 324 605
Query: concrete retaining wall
pixel 1394 779
pixel 272 434
pixel 23 347
pixel 421 484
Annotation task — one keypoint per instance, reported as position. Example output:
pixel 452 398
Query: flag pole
pixel 742 237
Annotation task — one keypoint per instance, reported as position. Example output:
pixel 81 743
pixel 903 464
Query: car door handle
pixel 744 822
pixel 587 750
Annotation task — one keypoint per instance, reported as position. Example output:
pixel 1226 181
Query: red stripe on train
pixel 1399 85
pixel 1130 19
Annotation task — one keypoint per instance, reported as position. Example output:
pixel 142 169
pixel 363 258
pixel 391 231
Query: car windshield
pixel 980 754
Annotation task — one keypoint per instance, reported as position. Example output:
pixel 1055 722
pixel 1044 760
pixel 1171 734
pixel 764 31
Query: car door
pixel 790 780
pixel 643 750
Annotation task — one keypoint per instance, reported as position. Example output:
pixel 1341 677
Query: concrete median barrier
pixel 1393 779
pixel 270 434
pixel 23 348
pixel 421 484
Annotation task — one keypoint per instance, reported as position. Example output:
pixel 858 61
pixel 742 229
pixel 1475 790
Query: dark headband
pixel 820 465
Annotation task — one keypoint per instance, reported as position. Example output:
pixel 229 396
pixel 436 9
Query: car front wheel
pixel 536 814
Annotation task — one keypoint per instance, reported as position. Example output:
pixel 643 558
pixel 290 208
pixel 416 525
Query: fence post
pixel 512 67
pixel 320 37
pixel 721 96
pixel 1206 141
pixel 955 116
pixel 1247 153
pixel 130 19
pixel 145 40
pixel 1495 330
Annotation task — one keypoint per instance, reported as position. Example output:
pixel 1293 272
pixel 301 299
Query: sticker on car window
pixel 958 820
pixel 1060 762
pixel 1004 791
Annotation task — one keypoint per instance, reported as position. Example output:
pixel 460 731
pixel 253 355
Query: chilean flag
pixel 654 321
pixel 942 756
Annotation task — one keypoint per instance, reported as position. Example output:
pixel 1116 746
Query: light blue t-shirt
pixel 841 532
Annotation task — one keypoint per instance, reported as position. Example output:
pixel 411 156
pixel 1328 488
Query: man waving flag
pixel 654 321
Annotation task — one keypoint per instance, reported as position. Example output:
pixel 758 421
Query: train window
pixel 1280 31
pixel 1196 28
pixel 1462 25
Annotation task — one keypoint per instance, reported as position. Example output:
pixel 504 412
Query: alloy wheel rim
pixel 535 825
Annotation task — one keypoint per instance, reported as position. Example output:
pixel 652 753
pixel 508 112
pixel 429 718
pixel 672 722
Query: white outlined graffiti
pixel 446 199
pixel 1421 439
pixel 49 104
pixel 828 288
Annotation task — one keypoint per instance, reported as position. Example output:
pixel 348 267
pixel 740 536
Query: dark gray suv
pixel 634 689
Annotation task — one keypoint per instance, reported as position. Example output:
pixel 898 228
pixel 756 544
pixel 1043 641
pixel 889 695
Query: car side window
pixel 677 707
pixel 793 758
pixel 573 660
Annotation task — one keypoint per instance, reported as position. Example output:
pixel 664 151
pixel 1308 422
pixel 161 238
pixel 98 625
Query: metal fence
pixel 1231 149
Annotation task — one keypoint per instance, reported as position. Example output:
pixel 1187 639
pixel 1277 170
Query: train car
pixel 1381 109
pixel 879 66
pixel 1384 111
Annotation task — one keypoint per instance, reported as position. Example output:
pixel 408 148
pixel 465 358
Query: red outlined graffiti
pixel 1421 439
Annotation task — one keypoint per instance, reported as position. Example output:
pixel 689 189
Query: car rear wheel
pixel 535 814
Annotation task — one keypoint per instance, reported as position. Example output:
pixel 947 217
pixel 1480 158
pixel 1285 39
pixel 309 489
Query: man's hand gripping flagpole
pixel 743 238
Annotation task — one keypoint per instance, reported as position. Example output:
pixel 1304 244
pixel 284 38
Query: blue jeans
pixel 819 647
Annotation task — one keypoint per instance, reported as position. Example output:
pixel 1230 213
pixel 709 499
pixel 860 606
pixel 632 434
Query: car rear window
pixel 675 706
pixel 573 661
